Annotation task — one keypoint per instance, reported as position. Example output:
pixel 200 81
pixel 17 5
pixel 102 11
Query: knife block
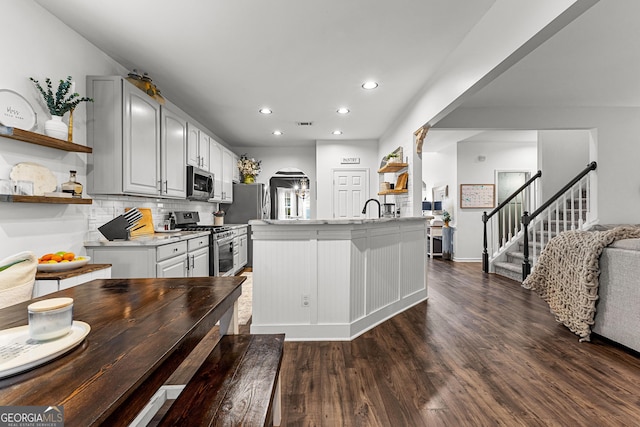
pixel 116 229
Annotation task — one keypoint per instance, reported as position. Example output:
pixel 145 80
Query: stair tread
pixel 516 268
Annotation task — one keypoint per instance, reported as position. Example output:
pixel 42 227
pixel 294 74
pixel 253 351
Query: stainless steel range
pixel 220 241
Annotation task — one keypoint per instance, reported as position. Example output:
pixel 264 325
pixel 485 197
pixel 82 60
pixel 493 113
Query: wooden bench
pixel 237 384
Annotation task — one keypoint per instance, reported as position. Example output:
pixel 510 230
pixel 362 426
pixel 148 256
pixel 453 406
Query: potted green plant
pixel 446 217
pixel 63 100
pixel 392 158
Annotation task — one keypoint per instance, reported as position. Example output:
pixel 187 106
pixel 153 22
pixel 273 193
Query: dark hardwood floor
pixel 482 351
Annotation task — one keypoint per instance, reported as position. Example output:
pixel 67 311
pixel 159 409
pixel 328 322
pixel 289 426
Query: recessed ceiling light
pixel 369 85
pixel 265 110
pixel 342 110
pixel 337 132
pixel 277 132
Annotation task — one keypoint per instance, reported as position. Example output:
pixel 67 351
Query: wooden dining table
pixel 141 331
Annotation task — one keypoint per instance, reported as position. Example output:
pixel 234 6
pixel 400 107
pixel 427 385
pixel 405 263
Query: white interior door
pixel 350 189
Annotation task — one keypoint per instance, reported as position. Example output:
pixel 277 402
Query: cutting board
pixel 145 225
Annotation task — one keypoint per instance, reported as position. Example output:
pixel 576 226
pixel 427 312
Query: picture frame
pixel 477 196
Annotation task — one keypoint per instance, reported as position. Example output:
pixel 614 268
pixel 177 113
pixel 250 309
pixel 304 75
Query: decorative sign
pixel 477 196
pixel 15 111
pixel 350 161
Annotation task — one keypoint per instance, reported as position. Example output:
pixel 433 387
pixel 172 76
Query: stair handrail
pixel 527 218
pixel 486 217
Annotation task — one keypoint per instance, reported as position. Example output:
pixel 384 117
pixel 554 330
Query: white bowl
pixel 63 266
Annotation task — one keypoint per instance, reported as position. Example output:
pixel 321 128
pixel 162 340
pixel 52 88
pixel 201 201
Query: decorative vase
pixel 249 179
pixel 56 128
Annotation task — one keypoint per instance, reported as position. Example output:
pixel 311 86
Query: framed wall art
pixel 477 196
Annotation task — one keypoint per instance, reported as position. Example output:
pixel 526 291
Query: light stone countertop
pixel 351 221
pixel 156 239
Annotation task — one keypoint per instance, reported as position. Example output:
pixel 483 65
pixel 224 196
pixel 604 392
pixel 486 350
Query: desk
pixel 141 330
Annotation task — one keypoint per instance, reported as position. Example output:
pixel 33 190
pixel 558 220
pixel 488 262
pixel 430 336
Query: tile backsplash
pixel 104 209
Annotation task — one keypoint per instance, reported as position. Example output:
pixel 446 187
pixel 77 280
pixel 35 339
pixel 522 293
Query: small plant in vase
pixel 393 158
pixel 446 217
pixel 64 99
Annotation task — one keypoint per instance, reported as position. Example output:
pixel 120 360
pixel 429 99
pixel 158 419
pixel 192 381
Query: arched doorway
pixel 290 194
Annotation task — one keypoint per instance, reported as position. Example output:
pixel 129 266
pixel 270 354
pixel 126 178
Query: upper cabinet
pixel 236 171
pixel 131 153
pixel 173 131
pixel 215 151
pixel 227 175
pixel 198 148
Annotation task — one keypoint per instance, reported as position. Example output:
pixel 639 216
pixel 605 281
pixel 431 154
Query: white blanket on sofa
pixel 566 275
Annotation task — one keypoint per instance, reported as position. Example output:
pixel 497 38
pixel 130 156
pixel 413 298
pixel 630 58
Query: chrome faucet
pixel 364 210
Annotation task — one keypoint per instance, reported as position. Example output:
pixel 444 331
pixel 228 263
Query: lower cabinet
pixel 240 254
pixel 186 258
pixel 190 259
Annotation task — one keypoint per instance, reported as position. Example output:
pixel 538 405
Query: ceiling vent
pixel 305 123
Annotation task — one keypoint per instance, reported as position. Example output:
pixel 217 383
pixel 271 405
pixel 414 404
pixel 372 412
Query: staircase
pixel 514 255
pixel 511 266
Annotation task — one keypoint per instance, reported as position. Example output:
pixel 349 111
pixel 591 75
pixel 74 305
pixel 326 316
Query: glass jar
pixel 72 186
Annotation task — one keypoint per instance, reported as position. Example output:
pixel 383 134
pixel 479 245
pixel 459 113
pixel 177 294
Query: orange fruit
pixel 69 256
pixel 46 257
pixel 56 258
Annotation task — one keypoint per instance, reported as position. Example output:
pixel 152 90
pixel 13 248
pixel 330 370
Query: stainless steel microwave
pixel 199 184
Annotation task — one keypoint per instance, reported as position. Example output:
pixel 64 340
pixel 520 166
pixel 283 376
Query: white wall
pixel 499 156
pixel 328 156
pixel 440 168
pixel 39 45
pixel 617 147
pixel 466 71
pixel 277 158
pixel 561 155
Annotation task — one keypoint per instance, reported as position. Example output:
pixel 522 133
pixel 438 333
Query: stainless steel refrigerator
pixel 250 201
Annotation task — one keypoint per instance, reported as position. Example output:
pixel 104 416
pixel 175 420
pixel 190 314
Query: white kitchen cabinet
pixel 199 266
pixel 236 171
pixel 198 257
pixel 172 154
pixel 124 127
pixel 192 263
pixel 197 147
pixel 172 267
pixel 227 175
pixel 184 258
pixel 240 253
pixel 243 250
pixel 236 255
pixel 215 151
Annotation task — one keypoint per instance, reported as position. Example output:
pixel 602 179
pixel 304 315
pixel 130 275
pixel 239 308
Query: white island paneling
pixel 335 279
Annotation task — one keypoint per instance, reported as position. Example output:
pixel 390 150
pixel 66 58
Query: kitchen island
pixel 335 279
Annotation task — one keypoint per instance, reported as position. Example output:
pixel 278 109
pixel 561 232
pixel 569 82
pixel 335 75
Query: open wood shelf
pixel 394 191
pixel 46 141
pixel 393 167
pixel 15 198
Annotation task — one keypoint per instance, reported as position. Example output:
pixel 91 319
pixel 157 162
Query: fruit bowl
pixel 63 266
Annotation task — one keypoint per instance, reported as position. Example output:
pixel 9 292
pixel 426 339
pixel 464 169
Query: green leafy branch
pixel 62 102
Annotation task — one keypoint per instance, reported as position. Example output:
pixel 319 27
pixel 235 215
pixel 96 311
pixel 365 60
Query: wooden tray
pixel 401 184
